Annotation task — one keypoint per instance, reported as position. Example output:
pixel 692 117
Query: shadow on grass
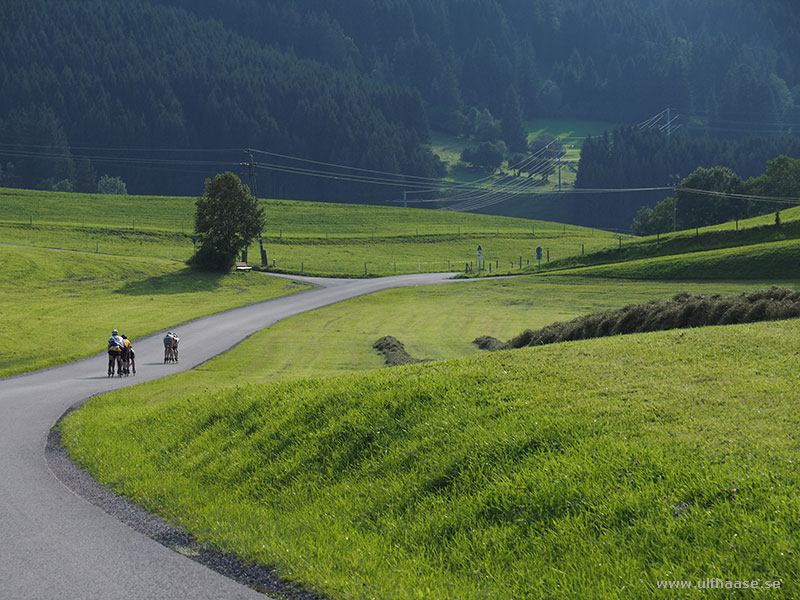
pixel 181 282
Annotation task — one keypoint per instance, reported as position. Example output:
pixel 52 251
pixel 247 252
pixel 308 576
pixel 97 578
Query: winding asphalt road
pixel 56 545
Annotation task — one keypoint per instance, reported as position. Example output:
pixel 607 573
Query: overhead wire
pixel 472 195
pixel 754 197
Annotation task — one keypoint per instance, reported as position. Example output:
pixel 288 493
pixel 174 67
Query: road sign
pixel 539 253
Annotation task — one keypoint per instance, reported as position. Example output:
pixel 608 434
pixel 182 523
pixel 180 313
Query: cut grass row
pixel 589 469
pixel 61 306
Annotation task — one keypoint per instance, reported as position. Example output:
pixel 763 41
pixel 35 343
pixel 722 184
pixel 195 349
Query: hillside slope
pixel 588 469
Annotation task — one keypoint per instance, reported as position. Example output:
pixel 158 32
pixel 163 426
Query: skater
pixel 115 345
pixel 175 340
pixel 133 359
pixel 127 352
pixel 171 347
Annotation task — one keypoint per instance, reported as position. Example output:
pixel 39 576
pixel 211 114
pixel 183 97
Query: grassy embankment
pixel 76 299
pixel 582 470
pixel 314 238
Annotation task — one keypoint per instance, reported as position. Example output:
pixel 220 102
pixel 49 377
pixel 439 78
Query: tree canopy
pixel 781 181
pixel 227 219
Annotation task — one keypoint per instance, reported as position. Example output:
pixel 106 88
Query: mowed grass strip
pixel 579 470
pixel 59 306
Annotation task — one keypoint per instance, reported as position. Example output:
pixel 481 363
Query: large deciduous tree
pixel 227 219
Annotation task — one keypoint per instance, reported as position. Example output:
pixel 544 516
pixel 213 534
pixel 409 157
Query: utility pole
pixel 558 151
pixel 674 180
pixel 251 172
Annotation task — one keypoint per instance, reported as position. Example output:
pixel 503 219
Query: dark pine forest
pixel 364 82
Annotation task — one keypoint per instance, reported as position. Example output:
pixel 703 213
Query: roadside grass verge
pixel 774 260
pixel 60 306
pixel 585 469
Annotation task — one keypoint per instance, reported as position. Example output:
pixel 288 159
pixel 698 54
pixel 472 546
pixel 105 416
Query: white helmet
pixel 115 332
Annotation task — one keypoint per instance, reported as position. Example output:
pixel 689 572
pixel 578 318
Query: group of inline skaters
pixel 122 357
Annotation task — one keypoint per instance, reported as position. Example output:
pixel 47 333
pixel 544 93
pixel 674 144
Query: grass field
pixel 76 299
pixel 301 237
pixel 582 470
pixel 433 322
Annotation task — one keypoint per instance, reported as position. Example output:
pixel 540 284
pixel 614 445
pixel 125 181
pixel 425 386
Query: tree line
pixel 632 157
pixel 362 82
pixel 95 76
pixel 732 198
pixel 730 60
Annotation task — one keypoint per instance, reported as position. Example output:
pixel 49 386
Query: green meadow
pixel 301 237
pixel 77 298
pixel 433 322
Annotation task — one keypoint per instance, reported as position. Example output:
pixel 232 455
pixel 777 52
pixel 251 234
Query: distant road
pixel 56 545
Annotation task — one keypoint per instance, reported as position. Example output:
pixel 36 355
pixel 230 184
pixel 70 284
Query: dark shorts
pixel 115 353
pixel 126 354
